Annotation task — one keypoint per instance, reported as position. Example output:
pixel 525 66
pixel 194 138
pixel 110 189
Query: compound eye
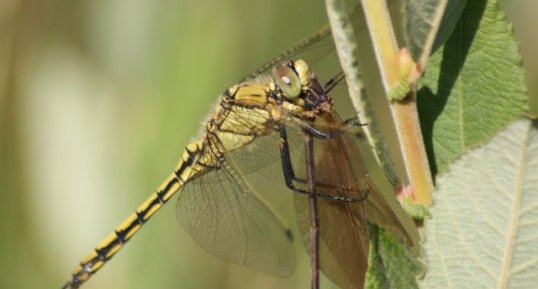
pixel 287 80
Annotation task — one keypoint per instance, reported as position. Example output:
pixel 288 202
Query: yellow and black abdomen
pixel 236 122
pixel 192 164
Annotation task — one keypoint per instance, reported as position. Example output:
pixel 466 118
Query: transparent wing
pixel 316 47
pixel 261 155
pixel 223 214
pixel 311 50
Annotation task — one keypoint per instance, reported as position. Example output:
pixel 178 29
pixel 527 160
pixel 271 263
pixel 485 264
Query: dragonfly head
pixel 300 86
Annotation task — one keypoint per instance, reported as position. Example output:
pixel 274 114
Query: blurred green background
pixel 98 99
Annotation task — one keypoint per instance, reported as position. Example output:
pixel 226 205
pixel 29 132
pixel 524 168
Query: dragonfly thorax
pixel 292 90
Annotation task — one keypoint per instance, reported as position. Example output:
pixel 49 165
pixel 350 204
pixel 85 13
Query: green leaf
pixel 473 86
pixel 483 233
pixel 391 264
pixel 423 26
pixel 453 11
pixel 418 17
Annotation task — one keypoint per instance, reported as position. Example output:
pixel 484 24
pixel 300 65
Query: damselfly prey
pixel 286 112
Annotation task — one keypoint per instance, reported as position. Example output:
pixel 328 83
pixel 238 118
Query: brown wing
pixel 339 171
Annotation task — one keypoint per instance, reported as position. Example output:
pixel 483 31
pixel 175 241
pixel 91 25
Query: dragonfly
pixel 283 115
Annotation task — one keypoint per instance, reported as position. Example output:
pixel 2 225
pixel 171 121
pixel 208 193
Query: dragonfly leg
pixel 349 123
pixel 333 82
pixel 290 179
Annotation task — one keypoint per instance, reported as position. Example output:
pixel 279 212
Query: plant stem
pixel 404 112
pixel 346 47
